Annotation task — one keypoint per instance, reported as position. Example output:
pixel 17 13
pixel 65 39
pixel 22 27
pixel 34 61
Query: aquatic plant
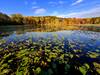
pixel 45 57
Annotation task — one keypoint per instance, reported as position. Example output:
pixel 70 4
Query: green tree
pixel 4 19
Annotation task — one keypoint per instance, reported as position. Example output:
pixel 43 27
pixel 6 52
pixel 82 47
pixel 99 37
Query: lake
pixel 65 52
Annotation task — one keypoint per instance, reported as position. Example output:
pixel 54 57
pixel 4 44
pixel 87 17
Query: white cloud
pixel 26 2
pixel 77 2
pixel 53 3
pixel 34 3
pixel 61 2
pixel 54 13
pixel 94 12
pixel 35 7
pixel 40 11
pixel 1 11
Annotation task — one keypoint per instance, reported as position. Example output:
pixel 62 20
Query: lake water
pixel 91 39
pixel 86 41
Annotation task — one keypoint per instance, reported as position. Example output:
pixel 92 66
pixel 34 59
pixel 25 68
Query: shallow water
pixel 89 38
pixel 84 46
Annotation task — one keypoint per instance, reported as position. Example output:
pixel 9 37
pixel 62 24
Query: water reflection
pixel 21 29
pixel 88 39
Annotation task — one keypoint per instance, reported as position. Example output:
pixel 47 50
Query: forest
pixel 18 19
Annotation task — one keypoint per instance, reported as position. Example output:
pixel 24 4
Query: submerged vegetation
pixel 46 57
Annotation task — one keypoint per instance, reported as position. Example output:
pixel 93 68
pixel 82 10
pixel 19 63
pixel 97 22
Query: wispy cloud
pixel 54 13
pixel 1 10
pixel 26 2
pixel 35 7
pixel 53 3
pixel 61 2
pixel 33 3
pixel 94 12
pixel 40 11
pixel 77 2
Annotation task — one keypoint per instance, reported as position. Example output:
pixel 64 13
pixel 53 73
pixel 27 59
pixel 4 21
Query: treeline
pixel 18 19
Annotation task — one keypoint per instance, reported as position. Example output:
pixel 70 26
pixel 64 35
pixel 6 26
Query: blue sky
pixel 62 8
